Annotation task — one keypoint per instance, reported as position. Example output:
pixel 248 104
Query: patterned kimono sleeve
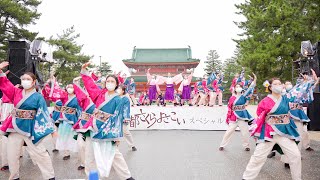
pixel 301 93
pixel 248 93
pixel 42 105
pixel 94 77
pixel 7 87
pixel 211 78
pixel 45 92
pixel 215 85
pixel 260 108
pixel 240 77
pixel 91 87
pixel 112 129
pixel 80 94
pixel 44 124
pixel 126 82
pixel 309 87
pixel 204 86
pixel 133 88
pixel 230 104
pixel 57 93
pixel 126 109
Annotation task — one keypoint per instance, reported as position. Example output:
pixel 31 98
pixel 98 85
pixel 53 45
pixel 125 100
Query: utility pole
pixel 100 61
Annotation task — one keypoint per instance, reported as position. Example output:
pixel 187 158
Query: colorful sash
pixel 68 110
pixel 101 116
pixel 23 114
pixel 278 119
pixel 294 106
pixel 85 116
pixel 57 108
pixel 239 107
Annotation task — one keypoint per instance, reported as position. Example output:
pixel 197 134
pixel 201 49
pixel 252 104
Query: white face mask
pixel 289 87
pixel 26 84
pixel 70 90
pixel 277 89
pixel 284 92
pixel 110 86
pixel 238 89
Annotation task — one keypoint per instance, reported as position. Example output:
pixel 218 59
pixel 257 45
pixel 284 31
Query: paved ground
pixel 182 155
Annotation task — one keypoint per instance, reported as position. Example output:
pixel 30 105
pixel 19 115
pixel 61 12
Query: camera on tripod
pixel 309 58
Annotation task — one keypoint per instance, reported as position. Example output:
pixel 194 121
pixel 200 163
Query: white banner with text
pixel 192 118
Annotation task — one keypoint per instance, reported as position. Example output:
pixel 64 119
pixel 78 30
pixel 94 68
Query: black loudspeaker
pixel 315 64
pixel 314 113
pixel 19 45
pixel 19 60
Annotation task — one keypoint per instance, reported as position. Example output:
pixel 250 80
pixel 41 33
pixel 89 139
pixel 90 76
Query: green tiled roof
pixel 144 78
pixel 161 55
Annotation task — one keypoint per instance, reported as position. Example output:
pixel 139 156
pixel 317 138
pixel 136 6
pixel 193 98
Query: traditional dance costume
pixel 6 108
pixel 212 90
pixel 126 120
pixel 202 90
pixel 238 116
pixel 274 125
pixel 196 95
pixel 185 89
pixel 170 81
pixel 107 125
pixel 83 138
pixel 237 80
pixel 69 115
pixel 297 99
pixel 153 87
pixel 29 123
pixel 131 90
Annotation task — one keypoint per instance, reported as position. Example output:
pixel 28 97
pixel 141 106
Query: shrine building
pixel 161 62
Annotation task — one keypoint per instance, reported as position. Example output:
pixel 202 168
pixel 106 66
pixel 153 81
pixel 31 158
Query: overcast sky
pixel 112 28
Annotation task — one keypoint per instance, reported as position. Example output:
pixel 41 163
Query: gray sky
pixel 112 28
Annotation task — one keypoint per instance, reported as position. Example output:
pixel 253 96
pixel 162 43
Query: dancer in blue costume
pixel 69 115
pixel 28 123
pixel 107 123
pixel 275 126
pixel 238 116
pixel 126 116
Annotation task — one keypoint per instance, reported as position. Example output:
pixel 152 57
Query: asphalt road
pixel 181 155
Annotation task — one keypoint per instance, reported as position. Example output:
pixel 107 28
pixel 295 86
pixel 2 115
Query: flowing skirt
pixel 104 153
pixel 186 91
pixel 169 95
pixel 152 92
pixel 65 139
